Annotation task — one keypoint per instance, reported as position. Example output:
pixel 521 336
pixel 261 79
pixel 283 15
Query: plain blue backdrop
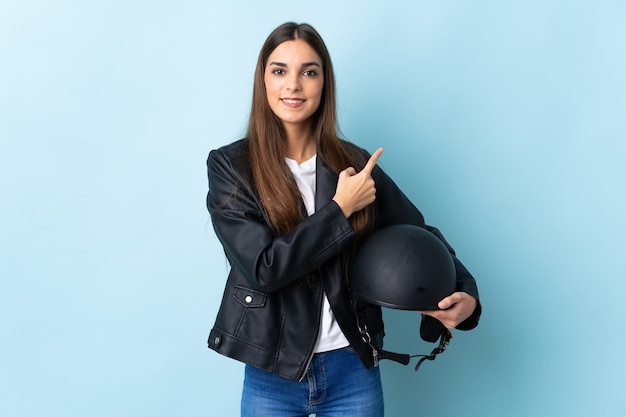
pixel 503 121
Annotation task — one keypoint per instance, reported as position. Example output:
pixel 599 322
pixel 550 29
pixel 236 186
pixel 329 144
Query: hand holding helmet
pixel 453 309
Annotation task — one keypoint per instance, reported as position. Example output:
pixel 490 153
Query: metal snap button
pixel 248 299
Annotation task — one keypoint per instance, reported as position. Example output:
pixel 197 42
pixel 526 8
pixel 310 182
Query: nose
pixel 293 82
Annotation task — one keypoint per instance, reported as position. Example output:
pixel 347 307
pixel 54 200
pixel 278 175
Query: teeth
pixel 293 101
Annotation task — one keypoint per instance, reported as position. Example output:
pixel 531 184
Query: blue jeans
pixel 336 384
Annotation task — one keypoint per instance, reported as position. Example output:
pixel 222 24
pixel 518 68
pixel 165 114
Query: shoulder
pixel 352 148
pixel 229 160
pixel 357 154
pixel 231 151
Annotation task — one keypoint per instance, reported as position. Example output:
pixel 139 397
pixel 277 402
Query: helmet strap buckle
pixel 367 338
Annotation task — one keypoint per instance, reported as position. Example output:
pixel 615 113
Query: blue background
pixel 503 121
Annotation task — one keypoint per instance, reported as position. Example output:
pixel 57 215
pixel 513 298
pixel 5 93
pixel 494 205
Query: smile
pixel 293 101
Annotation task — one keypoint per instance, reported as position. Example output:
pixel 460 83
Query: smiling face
pixel 293 83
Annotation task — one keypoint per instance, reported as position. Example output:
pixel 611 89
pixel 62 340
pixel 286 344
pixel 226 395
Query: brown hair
pixel 266 142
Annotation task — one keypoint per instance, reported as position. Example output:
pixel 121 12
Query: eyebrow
pixel 304 65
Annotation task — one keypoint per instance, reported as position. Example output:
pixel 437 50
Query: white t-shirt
pixel 330 335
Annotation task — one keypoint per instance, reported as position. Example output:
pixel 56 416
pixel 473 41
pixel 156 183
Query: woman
pixel 289 203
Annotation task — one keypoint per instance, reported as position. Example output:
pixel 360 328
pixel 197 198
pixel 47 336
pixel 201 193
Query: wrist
pixel 346 212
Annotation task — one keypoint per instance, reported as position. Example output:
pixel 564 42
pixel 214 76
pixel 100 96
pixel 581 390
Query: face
pixel 294 82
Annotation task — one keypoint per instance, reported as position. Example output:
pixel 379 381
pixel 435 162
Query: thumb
pixel 446 302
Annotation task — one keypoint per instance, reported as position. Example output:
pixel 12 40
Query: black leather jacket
pixel 268 318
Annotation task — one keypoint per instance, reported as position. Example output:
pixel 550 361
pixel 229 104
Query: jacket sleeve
pixel 268 262
pixel 394 207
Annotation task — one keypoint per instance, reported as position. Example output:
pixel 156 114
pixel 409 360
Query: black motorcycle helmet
pixel 402 267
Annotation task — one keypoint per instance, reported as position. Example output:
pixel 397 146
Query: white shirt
pixel 330 336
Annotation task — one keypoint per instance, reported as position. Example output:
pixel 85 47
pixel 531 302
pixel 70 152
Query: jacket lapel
pixel 326 183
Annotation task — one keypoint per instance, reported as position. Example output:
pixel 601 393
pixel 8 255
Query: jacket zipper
pixel 317 332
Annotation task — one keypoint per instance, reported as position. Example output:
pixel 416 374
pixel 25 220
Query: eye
pixel 278 71
pixel 310 73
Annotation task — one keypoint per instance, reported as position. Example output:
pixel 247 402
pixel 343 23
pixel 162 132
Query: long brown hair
pixel 266 141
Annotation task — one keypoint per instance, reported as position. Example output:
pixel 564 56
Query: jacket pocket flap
pixel 249 298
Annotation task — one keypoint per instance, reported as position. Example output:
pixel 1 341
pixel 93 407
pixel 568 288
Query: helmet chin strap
pixel 402 358
pixel 444 340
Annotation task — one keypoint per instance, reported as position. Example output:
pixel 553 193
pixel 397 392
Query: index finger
pixel 372 161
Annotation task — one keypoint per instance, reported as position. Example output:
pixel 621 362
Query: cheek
pixel 320 87
pixel 320 91
pixel 269 87
pixel 272 85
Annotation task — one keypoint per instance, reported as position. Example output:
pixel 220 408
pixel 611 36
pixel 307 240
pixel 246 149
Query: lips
pixel 292 102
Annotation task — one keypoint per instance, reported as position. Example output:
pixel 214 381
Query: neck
pixel 300 143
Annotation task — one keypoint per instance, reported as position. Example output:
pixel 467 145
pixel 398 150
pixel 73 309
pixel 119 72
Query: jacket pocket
pixel 249 298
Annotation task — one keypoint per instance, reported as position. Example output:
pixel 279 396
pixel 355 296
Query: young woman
pixel 289 203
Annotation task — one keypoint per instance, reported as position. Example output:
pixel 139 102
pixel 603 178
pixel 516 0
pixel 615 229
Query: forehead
pixel 294 52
